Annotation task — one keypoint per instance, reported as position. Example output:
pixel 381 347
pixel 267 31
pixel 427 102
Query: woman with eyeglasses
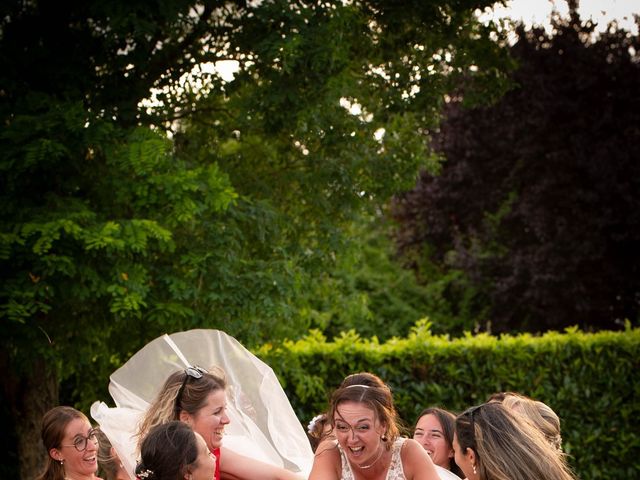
pixel 173 451
pixel 491 441
pixel 368 445
pixel 434 431
pixel 71 444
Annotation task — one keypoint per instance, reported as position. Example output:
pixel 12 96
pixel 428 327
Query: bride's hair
pixel 370 390
pixel 181 392
pixel 167 451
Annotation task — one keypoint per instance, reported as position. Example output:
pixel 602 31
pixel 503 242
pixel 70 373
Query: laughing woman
pixel 197 397
pixel 368 445
pixel 238 407
pixel 434 431
pixel 71 444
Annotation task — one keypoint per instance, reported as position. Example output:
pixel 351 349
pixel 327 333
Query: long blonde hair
pixel 539 414
pixel 506 446
pixel 180 393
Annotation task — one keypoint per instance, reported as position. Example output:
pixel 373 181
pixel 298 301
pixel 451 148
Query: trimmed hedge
pixel 591 380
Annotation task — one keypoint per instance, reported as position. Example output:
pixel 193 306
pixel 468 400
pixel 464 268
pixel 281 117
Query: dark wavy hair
pixel 167 452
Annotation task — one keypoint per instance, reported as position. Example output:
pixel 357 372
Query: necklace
pixel 364 467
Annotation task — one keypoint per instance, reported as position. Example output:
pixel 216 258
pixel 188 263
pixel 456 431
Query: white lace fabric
pixel 395 471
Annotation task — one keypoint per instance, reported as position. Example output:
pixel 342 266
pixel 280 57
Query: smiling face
pixel 429 433
pixel 210 420
pixel 205 465
pixel 77 464
pixel 358 431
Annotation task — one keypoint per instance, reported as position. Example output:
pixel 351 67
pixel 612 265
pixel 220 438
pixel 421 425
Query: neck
pixel 83 477
pixel 364 467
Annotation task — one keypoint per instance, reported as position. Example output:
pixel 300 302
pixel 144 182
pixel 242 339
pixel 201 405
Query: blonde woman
pixel 493 442
pixel 539 414
pixel 238 407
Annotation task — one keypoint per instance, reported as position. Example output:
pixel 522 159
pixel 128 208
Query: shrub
pixel 591 380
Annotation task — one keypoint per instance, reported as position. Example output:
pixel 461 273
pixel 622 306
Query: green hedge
pixel 591 380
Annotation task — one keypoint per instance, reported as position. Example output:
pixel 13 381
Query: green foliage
pixel 590 380
pixel 368 290
pixel 113 232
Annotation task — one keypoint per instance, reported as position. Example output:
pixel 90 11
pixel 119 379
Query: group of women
pixel 179 436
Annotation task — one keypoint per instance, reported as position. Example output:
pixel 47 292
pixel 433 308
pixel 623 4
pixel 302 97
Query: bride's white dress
pixel 263 424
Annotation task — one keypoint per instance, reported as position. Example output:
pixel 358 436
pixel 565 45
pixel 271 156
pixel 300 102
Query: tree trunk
pixel 29 398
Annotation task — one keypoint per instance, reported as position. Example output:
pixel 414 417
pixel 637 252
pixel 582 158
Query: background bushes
pixel 591 380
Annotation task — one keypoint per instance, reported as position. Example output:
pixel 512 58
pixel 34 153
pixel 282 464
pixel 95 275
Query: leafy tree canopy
pixel 222 203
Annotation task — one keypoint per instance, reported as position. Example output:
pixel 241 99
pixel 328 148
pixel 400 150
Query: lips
pixel 356 451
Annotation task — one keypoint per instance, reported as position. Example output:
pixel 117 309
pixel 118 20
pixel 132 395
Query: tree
pixel 113 232
pixel 537 202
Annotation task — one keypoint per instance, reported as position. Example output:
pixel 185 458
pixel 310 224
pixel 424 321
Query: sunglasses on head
pixel 189 372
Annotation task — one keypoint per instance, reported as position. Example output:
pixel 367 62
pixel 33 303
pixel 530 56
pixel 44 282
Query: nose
pixel 92 444
pixel 224 419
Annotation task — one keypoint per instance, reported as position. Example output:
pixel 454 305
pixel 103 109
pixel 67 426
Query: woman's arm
pixel 238 467
pixel 326 462
pixel 416 462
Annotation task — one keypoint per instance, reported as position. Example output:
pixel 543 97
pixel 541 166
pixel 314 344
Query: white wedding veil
pixel 263 424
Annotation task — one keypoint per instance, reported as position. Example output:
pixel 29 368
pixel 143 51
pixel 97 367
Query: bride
pixel 262 435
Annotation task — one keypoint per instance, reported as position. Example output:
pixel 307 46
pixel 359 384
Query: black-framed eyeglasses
pixel 80 442
pixel 190 372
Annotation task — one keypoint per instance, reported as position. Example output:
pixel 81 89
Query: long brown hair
pixel 370 390
pixel 181 392
pixel 448 422
pixel 54 424
pixel 506 446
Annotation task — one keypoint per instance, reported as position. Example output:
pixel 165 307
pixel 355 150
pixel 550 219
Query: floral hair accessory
pixel 144 474
pixel 311 428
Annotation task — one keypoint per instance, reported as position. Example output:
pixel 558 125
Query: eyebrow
pixel 365 419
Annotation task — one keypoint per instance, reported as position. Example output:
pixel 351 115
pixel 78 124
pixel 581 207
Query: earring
pixel 61 461
pixel 474 469
pixel 384 437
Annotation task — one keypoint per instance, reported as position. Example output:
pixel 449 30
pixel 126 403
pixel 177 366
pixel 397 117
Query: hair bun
pixel 144 473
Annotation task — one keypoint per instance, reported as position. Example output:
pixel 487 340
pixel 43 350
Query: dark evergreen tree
pixel 538 202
